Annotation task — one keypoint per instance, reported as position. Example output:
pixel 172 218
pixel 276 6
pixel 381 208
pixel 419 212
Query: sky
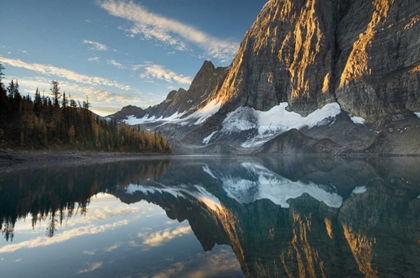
pixel 118 52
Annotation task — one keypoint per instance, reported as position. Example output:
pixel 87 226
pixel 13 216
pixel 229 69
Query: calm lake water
pixel 213 217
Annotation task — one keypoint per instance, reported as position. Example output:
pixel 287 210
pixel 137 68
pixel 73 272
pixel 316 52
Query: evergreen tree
pixel 55 92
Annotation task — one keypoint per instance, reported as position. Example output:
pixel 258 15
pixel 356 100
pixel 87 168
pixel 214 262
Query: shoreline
pixel 27 159
pixel 21 159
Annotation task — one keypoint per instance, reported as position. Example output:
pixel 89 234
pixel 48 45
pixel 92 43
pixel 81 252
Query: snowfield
pixel 417 114
pixel 275 121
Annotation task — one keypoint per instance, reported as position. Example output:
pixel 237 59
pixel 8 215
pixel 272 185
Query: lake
pixel 213 217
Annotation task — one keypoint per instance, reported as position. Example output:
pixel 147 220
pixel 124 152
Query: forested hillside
pixel 60 121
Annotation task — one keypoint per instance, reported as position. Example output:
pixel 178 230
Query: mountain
pixel 342 76
pixel 179 102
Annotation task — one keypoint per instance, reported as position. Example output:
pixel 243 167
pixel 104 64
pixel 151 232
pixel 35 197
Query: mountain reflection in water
pixel 295 217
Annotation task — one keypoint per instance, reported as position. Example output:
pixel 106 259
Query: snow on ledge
pixel 207 170
pixel 208 138
pixel 417 114
pixel 358 120
pixel 359 190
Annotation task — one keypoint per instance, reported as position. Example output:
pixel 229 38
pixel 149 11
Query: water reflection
pixel 295 217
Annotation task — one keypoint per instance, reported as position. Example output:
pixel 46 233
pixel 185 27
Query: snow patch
pixel 211 201
pixel 196 118
pixel 206 169
pixel 201 194
pixel 418 197
pixel 275 121
pixel 241 119
pixel 417 114
pixel 131 189
pixel 360 190
pixel 358 120
pixel 206 112
pixel 273 187
pixel 132 120
pixel 208 138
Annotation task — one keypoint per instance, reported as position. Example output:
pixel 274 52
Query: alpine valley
pixel 310 77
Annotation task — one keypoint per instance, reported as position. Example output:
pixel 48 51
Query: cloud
pixel 137 67
pixel 92 267
pixel 160 72
pixel 169 31
pixel 77 92
pixel 113 247
pixel 62 237
pixel 93 59
pixel 103 102
pixel 64 73
pixel 158 238
pixel 115 64
pixel 221 263
pixel 96 45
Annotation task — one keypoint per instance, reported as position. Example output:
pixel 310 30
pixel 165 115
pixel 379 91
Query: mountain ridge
pixel 308 54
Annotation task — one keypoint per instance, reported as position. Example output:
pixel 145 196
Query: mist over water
pixel 213 217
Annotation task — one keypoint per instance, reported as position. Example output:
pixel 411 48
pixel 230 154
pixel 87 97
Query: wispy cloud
pixel 93 59
pixel 160 72
pixel 115 64
pixel 158 238
pixel 64 73
pixel 169 31
pixel 99 98
pixel 96 45
pixel 91 267
pixel 59 238
pixel 113 247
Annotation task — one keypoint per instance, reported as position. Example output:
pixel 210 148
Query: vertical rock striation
pixel 378 62
pixel 363 54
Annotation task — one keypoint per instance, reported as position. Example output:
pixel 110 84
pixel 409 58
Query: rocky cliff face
pixel 378 58
pixel 363 54
pixel 286 56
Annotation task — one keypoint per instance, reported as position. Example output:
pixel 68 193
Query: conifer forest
pixel 59 121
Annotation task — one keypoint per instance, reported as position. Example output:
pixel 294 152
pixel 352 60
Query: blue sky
pixel 118 52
